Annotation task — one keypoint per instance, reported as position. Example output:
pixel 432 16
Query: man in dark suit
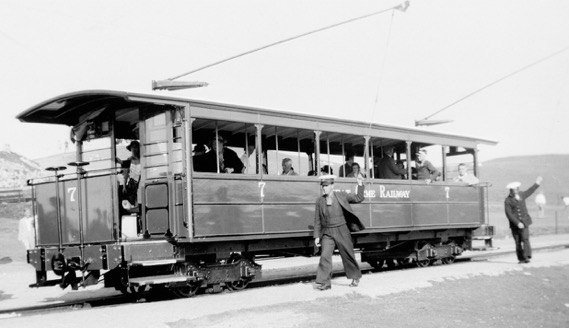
pixel 520 220
pixel 218 159
pixel 388 169
pixel 333 221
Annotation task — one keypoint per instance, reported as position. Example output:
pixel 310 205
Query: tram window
pixel 434 155
pixel 456 156
pixel 338 153
pixel 159 126
pixel 98 153
pixel 236 137
pixel 383 168
pixel 281 143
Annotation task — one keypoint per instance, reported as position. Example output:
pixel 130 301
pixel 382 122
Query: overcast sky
pixel 391 68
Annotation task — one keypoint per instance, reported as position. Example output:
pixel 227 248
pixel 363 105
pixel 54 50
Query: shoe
pixel 523 262
pixel 355 283
pixel 323 287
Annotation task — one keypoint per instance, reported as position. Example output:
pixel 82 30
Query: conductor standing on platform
pixel 520 220
pixel 333 221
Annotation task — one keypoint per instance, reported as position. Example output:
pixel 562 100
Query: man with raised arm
pixel 520 220
pixel 334 219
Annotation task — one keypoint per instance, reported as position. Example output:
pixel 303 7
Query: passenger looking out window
pixel 287 167
pixel 464 176
pixel 346 169
pixel 219 154
pixel 326 170
pixel 388 168
pixel 356 171
pixel 425 170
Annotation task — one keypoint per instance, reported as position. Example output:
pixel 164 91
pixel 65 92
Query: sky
pixel 391 68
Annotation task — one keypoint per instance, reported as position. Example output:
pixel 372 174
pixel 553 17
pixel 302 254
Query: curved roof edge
pixel 67 108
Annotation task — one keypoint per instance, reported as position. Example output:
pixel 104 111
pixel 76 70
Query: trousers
pixel 341 238
pixel 523 246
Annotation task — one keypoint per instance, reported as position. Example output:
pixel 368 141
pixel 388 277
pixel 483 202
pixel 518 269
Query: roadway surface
pixel 406 295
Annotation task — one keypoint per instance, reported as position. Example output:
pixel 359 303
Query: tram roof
pixel 75 107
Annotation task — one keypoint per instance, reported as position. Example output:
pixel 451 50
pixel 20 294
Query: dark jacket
pixel 426 170
pixel 516 210
pixel 208 161
pixel 388 169
pixel 344 199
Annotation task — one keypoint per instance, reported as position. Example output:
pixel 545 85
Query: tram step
pixel 162 279
pixel 152 263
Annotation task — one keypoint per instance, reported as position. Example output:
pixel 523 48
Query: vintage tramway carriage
pixel 193 226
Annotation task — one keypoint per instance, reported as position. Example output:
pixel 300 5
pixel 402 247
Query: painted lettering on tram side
pixel 383 192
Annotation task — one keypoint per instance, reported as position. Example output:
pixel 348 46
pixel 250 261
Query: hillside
pixel 553 168
pixel 15 170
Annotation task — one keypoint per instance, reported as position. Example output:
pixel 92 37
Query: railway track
pixel 277 277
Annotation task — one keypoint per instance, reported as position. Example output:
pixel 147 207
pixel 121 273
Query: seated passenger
pixel 425 170
pixel 287 167
pixel 388 169
pixel 347 167
pixel 463 176
pixel 199 150
pixel 248 166
pixel 326 170
pixel 131 174
pixel 355 171
pixel 229 162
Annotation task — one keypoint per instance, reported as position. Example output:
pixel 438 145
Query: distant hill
pixel 553 168
pixel 15 170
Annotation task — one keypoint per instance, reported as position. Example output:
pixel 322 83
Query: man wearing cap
pixel 131 172
pixel 520 220
pixel 334 219
pixel 425 170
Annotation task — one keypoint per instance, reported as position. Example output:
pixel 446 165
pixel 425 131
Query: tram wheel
pixel 241 283
pixel 187 291
pixel 423 263
pixel 448 260
pixel 238 285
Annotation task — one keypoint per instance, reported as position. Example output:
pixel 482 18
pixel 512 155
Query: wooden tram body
pixel 196 229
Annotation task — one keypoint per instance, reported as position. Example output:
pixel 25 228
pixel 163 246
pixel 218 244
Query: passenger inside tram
pixel 287 167
pixel 425 170
pixel 346 169
pixel 355 171
pixel 464 176
pixel 218 157
pixel 131 176
pixel 388 168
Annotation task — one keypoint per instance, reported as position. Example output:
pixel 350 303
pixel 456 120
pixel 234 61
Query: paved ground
pixel 442 295
pixel 494 293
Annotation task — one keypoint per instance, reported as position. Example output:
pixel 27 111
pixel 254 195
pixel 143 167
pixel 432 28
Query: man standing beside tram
pixel 334 219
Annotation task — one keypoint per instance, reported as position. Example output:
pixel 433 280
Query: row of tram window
pixel 264 149
pixel 256 149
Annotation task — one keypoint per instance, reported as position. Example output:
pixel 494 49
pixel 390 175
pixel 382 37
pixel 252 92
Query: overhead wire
pixel 402 7
pixel 499 80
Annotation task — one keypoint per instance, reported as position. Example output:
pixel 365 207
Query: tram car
pixel 195 220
